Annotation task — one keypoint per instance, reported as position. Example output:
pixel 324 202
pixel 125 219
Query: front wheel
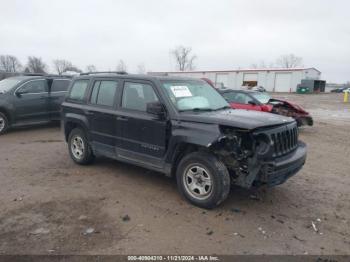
pixel 79 148
pixel 3 123
pixel 203 179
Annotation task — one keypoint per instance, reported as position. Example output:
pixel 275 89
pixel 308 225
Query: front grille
pixel 284 140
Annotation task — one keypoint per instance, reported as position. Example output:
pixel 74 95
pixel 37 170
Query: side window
pixel 78 90
pixel 32 87
pixel 230 97
pixel 60 85
pixel 242 98
pixel 137 95
pixel 248 99
pixel 103 93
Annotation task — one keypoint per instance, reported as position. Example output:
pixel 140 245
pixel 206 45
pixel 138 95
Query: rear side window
pixel 60 85
pixel 137 95
pixel 103 93
pixel 78 90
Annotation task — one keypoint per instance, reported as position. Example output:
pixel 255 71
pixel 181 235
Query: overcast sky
pixel 223 34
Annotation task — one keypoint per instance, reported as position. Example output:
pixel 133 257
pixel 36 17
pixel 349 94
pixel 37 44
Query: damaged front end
pixel 286 108
pixel 266 156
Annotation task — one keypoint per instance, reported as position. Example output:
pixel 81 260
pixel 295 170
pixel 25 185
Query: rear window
pixel 60 85
pixel 78 90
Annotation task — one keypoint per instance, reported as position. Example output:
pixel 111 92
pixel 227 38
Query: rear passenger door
pixel 58 91
pixel 143 135
pixel 102 116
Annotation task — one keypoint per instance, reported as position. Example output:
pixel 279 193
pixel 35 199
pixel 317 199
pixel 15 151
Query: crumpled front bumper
pixel 276 172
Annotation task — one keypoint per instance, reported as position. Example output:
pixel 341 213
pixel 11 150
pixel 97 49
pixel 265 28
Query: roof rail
pixel 105 72
pixel 33 74
pixel 46 75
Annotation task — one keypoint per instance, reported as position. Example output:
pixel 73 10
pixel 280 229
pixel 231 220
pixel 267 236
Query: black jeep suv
pixel 31 99
pixel 181 127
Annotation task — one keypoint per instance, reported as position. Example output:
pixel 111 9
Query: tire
pixel 79 147
pixel 4 123
pixel 203 180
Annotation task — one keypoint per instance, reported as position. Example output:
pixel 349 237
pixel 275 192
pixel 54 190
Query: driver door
pixel 31 102
pixel 143 134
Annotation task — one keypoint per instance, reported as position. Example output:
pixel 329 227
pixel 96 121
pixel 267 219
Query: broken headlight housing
pixel 263 144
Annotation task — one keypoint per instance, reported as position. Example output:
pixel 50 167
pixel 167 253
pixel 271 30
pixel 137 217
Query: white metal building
pixel 272 79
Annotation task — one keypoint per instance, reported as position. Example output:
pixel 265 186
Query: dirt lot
pixel 49 205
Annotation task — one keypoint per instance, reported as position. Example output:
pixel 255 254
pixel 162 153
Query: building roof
pixel 239 70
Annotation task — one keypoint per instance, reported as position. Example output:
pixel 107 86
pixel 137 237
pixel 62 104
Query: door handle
pixel 122 118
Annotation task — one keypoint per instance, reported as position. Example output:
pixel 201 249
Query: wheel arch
pixel 181 150
pixel 72 121
pixel 7 114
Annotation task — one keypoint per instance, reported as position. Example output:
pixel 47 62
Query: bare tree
pixel 9 63
pixel 184 58
pixel 91 68
pixel 61 65
pixel 121 66
pixel 141 69
pixel 35 65
pixel 289 61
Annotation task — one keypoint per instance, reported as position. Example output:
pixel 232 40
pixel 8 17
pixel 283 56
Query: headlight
pixel 263 144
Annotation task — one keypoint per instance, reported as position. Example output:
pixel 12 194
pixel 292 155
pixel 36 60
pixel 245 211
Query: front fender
pixel 198 134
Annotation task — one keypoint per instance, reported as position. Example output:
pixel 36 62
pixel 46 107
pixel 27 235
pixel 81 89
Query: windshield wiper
pixel 197 109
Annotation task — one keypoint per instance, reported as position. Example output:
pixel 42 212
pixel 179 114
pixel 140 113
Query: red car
pixel 259 101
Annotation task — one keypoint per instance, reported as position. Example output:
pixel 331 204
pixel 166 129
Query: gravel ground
pixel 49 205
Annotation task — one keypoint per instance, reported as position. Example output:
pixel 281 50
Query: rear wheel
pixel 203 179
pixel 79 148
pixel 3 123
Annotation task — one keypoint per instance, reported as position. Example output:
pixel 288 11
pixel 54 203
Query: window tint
pixel 60 85
pixel 39 86
pixel 136 96
pixel 78 89
pixel 103 93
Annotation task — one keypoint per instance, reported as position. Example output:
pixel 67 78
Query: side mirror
pixel 252 103
pixel 155 108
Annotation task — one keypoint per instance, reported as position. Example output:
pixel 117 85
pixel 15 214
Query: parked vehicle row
pixel 27 100
pixel 177 126
pixel 341 90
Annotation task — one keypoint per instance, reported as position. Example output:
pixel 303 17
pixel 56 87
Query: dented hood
pixel 245 119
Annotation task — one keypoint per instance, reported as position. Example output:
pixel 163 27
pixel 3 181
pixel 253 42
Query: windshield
pixel 194 95
pixel 7 84
pixel 262 97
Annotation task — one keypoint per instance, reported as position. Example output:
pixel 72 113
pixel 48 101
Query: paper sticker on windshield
pixel 181 91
